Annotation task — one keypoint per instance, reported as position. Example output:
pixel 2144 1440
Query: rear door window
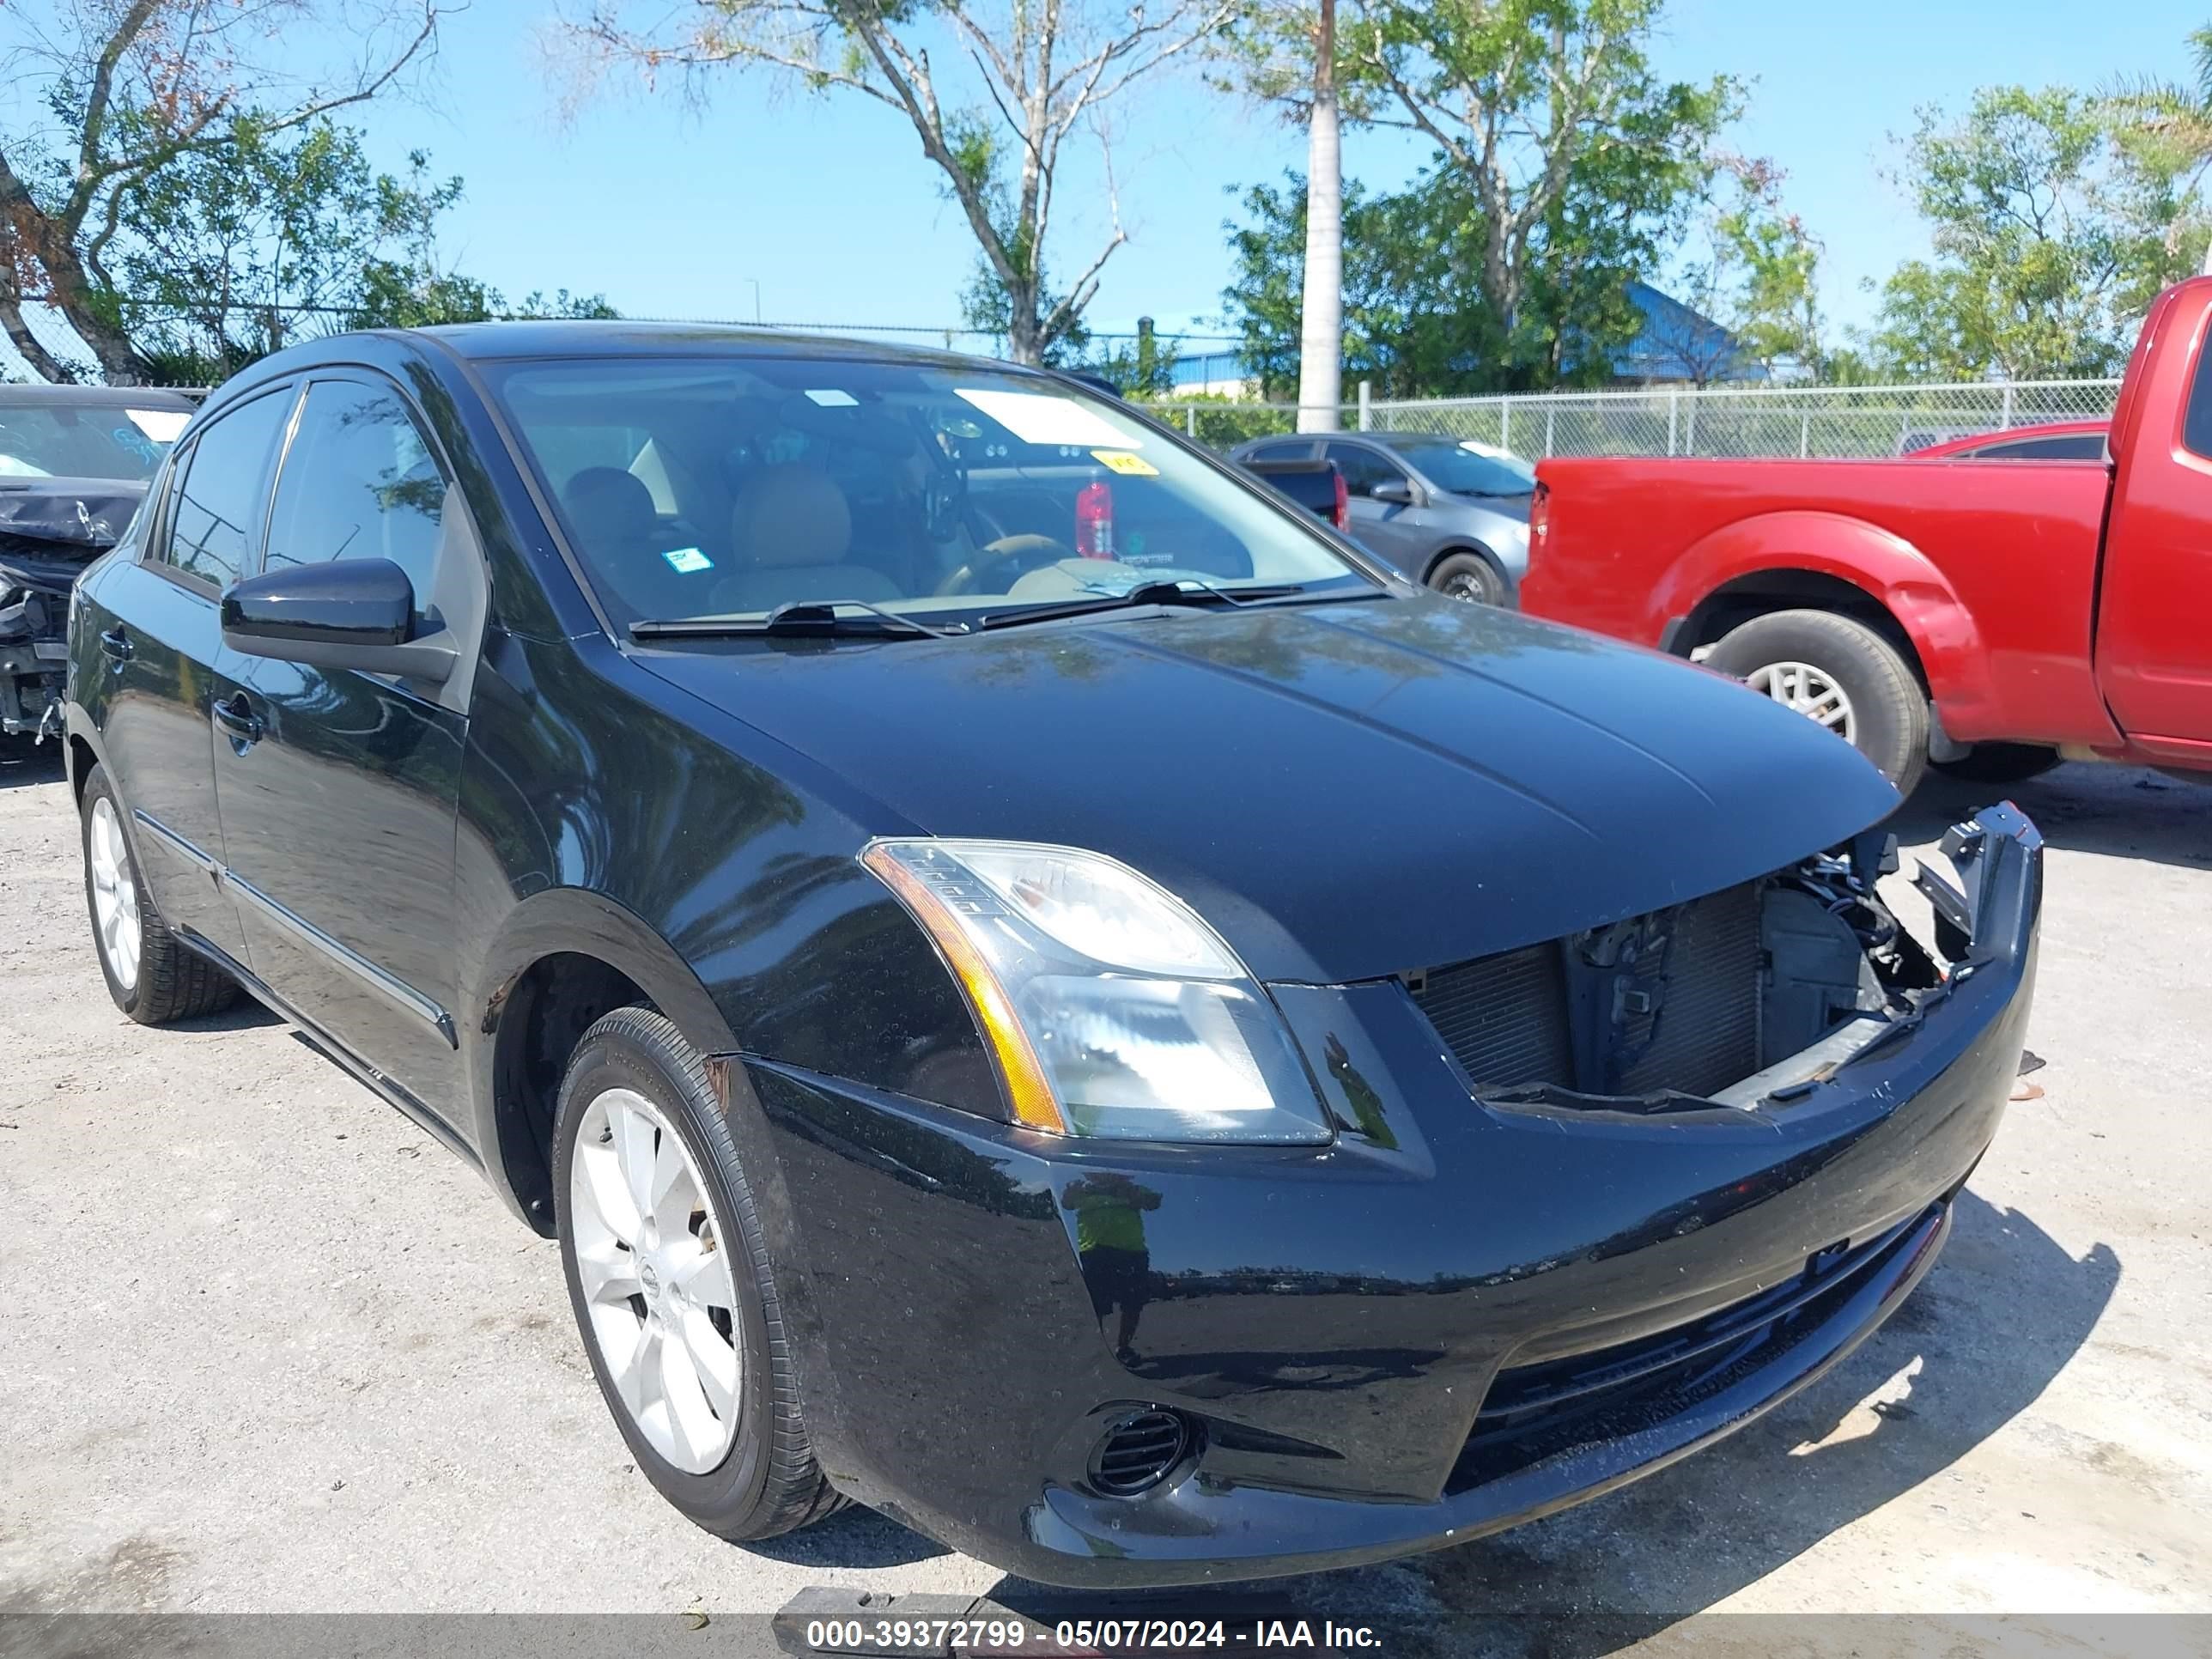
pixel 2196 423
pixel 215 524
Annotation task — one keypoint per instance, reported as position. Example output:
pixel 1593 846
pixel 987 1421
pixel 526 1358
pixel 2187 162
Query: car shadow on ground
pixel 19 767
pixel 243 1015
pixel 2123 811
pixel 2003 1312
pixel 852 1537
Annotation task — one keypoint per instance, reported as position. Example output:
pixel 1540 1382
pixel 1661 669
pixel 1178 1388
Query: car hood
pixel 68 518
pixel 1515 508
pixel 1346 791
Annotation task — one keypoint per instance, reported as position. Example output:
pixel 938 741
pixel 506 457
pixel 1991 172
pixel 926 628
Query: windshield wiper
pixel 1183 590
pixel 795 619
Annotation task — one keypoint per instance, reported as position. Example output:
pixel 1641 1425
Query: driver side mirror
pixel 350 613
pixel 1393 492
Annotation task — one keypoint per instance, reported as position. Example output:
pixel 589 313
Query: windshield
pixel 694 489
pixel 84 441
pixel 1469 469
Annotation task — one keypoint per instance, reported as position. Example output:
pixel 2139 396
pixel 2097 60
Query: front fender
pixel 1888 569
pixel 555 922
pixel 78 727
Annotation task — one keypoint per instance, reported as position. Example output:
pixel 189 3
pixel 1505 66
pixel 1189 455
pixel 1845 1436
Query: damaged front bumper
pixel 50 531
pixel 1466 1312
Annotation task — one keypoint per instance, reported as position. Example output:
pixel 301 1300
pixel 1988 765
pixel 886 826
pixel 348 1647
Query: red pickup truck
pixel 1990 617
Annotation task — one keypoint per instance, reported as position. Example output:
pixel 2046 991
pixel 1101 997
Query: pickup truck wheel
pixel 151 977
pixel 1468 576
pixel 668 1276
pixel 1841 673
pixel 1999 762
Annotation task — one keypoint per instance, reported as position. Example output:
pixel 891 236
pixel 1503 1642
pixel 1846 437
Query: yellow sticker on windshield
pixel 1121 461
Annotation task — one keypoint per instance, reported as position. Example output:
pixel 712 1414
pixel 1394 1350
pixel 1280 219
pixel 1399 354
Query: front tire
pixel 1468 576
pixel 1842 674
pixel 152 977
pixel 669 1277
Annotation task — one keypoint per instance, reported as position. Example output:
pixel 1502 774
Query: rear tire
pixel 733 1456
pixel 1999 762
pixel 1468 576
pixel 152 977
pixel 1853 682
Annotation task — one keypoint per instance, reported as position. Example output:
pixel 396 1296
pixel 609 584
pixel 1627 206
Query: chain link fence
pixel 1824 421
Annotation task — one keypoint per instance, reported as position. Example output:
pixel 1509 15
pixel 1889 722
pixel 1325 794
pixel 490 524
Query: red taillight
pixel 1094 520
pixel 1340 515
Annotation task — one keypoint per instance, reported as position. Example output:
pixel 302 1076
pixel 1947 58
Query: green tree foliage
pixel 116 93
pixel 2172 120
pixel 1416 321
pixel 280 234
pixel 1753 269
pixel 1565 167
pixel 1569 148
pixel 2055 222
pixel 1409 326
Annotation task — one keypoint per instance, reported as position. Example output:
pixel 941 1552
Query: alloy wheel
pixel 652 1260
pixel 1467 587
pixel 114 894
pixel 1811 691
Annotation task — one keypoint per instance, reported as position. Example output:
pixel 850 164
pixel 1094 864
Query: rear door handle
pixel 235 715
pixel 115 644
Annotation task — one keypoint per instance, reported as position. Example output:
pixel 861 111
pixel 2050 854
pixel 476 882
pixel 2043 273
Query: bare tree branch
pixel 1019 81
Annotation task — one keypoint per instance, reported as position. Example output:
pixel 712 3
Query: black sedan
pixel 1037 988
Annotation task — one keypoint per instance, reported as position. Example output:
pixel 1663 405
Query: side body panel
pixel 1989 567
pixel 338 788
pixel 2155 631
pixel 140 645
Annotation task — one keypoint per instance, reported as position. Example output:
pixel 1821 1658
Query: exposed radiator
pixel 1670 1000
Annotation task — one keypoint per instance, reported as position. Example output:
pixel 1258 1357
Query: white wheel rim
pixel 652 1260
pixel 114 894
pixel 1809 690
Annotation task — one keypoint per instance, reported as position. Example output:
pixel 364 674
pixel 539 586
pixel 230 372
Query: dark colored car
pixel 1196 1060
pixel 74 463
pixel 1317 486
pixel 2056 441
pixel 1449 512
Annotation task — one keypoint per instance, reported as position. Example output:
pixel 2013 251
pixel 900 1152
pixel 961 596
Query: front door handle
pixel 235 715
pixel 115 644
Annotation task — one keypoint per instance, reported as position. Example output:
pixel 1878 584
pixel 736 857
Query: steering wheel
pixel 999 565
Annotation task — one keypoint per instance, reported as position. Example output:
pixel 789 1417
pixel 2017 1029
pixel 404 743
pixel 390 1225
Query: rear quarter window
pixel 2197 421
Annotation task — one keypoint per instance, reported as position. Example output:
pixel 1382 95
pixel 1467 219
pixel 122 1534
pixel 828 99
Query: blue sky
pixel 829 206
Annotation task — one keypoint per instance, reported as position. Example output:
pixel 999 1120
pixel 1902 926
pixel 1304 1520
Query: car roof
pixel 1974 440
pixel 490 342
pixel 38 394
pixel 1397 439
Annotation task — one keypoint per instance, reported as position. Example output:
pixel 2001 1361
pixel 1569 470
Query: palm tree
pixel 1321 315
pixel 2176 116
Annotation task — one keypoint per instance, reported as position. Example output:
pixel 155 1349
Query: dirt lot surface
pixel 265 1347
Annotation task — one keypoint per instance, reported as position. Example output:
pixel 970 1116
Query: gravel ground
pixel 265 1347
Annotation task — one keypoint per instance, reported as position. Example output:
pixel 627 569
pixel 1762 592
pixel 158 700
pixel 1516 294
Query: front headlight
pixel 1109 1008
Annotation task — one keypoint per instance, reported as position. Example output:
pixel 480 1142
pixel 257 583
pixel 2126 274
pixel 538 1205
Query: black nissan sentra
pixel 1037 988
